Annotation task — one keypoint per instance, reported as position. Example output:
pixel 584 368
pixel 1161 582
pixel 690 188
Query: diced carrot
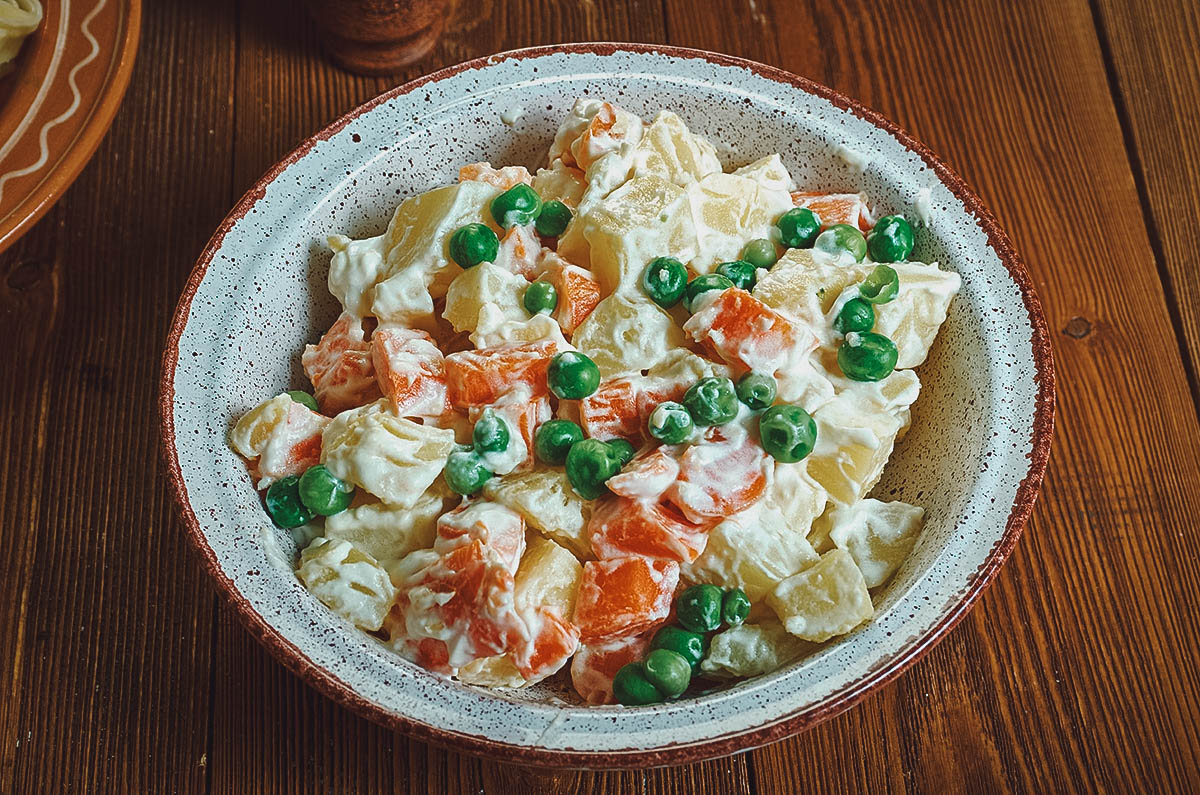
pixel 503 178
pixel 551 644
pixel 837 208
pixel 578 291
pixel 748 334
pixel 519 251
pixel 612 410
pixel 432 655
pixel 718 477
pixel 620 526
pixel 480 378
pixel 647 476
pixel 340 367
pixel 594 666
pixel 410 370
pixel 621 406
pixel 292 446
pixel 469 594
pixel 623 596
pixel 500 529
pixel 601 127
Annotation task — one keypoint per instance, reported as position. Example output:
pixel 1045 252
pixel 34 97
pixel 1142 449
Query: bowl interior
pixel 263 296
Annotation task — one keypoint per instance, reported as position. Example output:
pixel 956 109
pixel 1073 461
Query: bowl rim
pixel 883 673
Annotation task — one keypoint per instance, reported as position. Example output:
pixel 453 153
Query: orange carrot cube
pixel 410 370
pixel 482 377
pixel 340 367
pixel 837 208
pixel 623 596
pixel 748 334
pixel 620 526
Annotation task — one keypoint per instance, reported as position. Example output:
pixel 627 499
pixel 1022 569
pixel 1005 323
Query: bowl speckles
pixel 974 457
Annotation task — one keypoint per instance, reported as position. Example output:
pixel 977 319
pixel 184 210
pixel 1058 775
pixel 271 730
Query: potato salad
pixel 617 420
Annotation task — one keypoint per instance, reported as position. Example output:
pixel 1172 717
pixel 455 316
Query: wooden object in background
pixel 378 37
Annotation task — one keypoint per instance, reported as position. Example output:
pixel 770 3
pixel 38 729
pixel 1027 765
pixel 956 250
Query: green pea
pixel 702 284
pixel 284 505
pixel 517 206
pixel 798 227
pixel 691 645
pixel 491 433
pixel 665 280
pixel 324 493
pixel 572 375
pixel 622 449
pixel 867 356
pixel 540 298
pixel 304 399
pixel 881 285
pixel 465 473
pixel 757 390
pixel 735 607
pixel 855 315
pixel 554 438
pixel 740 272
pixel 670 423
pixel 473 244
pixel 787 432
pixel 842 239
pixel 760 253
pixel 553 218
pixel 590 464
pixel 699 608
pixel 711 401
pixel 668 671
pixel 891 240
pixel 632 688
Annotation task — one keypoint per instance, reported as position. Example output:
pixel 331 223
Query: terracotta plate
pixel 973 458
pixel 58 102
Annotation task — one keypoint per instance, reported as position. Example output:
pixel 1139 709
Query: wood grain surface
pixel 1077 123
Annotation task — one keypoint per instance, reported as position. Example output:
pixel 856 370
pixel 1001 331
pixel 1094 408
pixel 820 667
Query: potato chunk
pixel 548 503
pixel 348 581
pixel 829 598
pixel 753 550
pixel 391 457
pixel 751 650
pixel 623 334
pixel 878 535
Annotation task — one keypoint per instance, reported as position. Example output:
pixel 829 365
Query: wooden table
pixel 1077 122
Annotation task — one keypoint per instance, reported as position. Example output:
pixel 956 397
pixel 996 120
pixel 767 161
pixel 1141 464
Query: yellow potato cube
pixel 646 217
pixel 419 233
pixel 854 440
pixel 548 503
pixel 497 671
pixel 669 150
pixel 560 183
pixel 548 577
pixel 348 581
pixel 485 283
pixel 623 334
pixel 878 535
pixel 805 287
pixel 754 551
pixel 795 495
pixel 752 650
pixel 729 211
pixel 829 598
pixel 391 457
pixel 912 320
pixel 387 532
pixel 770 173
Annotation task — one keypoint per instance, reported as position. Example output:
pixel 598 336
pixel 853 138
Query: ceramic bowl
pixel 974 457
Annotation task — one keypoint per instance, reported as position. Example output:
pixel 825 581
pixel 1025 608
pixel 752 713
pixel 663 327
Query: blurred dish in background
pixel 18 18
pixel 64 86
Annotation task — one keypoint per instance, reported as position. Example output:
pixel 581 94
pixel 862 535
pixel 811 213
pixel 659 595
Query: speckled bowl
pixel 974 457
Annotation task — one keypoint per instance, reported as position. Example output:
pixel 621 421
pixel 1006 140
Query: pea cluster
pixel 295 500
pixel 787 432
pixel 677 649
pixel 863 354
pixel 520 205
pixel 465 470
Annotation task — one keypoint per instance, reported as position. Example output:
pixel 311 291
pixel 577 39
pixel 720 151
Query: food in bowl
pixel 620 417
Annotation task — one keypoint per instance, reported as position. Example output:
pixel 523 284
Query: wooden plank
pixel 105 623
pixel 1078 670
pixel 271 733
pixel 1153 53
